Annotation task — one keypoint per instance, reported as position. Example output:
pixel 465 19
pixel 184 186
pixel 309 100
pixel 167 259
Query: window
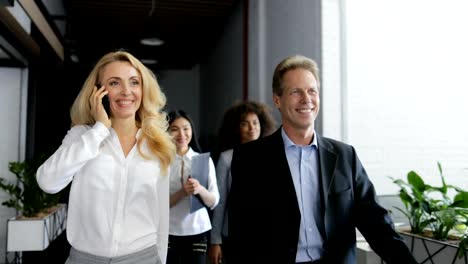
pixel 399 80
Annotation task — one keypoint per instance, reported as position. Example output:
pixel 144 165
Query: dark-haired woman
pixel 242 122
pixel 188 231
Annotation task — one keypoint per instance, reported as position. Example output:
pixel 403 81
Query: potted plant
pixel 40 218
pixel 434 215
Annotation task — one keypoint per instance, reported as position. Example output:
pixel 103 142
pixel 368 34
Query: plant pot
pixel 428 250
pixel 36 233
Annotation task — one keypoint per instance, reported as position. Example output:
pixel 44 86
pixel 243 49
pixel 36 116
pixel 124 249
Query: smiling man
pixel 298 197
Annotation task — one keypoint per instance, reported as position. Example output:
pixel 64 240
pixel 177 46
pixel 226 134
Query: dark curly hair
pixel 229 133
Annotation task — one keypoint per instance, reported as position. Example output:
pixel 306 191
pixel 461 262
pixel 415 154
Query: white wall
pixel 407 89
pixel 398 87
pixel 13 87
pixel 333 104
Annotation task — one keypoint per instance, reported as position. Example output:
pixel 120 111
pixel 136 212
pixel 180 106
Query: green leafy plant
pixel 462 245
pixel 446 212
pixel 25 194
pixel 413 195
pixel 432 208
pixel 463 238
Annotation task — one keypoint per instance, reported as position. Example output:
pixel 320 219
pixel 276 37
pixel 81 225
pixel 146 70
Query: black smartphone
pixel 105 101
pixel 106 104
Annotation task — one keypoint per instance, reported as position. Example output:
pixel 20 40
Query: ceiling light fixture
pixel 148 61
pixel 150 39
pixel 74 58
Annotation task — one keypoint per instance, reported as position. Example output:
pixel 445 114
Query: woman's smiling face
pixel 249 128
pixel 181 132
pixel 123 82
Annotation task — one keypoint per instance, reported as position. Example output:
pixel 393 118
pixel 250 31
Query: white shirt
pixel 182 222
pixel 118 205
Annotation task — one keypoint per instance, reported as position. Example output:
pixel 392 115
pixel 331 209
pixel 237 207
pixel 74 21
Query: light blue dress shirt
pixel 303 164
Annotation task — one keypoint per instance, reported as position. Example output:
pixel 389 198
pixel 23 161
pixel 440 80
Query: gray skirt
pixel 145 256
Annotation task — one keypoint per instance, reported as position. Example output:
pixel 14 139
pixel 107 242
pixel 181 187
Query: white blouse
pixel 118 205
pixel 182 222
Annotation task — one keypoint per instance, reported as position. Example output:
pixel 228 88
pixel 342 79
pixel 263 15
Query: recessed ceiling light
pixel 74 58
pixel 151 41
pixel 148 61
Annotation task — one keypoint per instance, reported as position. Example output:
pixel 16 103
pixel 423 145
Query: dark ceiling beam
pixel 36 16
pixel 16 34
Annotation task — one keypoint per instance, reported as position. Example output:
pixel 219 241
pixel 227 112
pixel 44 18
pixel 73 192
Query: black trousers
pixel 227 250
pixel 187 249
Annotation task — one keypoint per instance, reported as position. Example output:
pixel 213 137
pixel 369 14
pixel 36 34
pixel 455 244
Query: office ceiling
pixel 189 29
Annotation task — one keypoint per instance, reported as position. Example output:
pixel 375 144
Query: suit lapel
pixel 282 168
pixel 327 167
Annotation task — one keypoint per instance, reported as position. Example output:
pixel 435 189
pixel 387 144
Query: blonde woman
pixel 118 164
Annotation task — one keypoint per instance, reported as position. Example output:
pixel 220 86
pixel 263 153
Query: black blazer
pixel 264 216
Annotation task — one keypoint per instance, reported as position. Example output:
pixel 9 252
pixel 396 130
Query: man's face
pixel 300 102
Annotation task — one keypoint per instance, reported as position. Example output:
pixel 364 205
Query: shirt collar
pixel 190 153
pixel 288 142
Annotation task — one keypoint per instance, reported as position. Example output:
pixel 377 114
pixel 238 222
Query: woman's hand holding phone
pixel 97 102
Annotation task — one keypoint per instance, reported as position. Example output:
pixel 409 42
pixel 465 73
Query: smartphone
pixel 106 104
pixel 105 101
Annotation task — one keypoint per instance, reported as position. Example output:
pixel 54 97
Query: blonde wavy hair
pixel 150 117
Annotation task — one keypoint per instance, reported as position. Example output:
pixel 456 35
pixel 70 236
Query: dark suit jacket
pixel 264 216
